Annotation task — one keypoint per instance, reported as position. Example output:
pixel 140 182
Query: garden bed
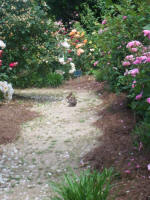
pixel 118 151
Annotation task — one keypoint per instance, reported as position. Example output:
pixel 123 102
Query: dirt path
pixel 48 146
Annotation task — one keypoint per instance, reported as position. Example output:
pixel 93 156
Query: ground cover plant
pixel 88 185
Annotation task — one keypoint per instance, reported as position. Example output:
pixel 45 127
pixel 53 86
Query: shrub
pixel 99 75
pixel 53 80
pixel 136 76
pixel 29 35
pixel 125 24
pixel 73 53
pixel 63 9
pixel 89 186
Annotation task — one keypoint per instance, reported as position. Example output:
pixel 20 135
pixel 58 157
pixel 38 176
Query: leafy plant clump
pixel 88 185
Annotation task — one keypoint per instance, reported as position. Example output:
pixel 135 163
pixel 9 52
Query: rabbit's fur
pixel 71 99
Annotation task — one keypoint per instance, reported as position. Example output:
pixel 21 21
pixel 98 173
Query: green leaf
pixel 147 27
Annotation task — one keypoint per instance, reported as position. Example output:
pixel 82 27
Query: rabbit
pixel 71 99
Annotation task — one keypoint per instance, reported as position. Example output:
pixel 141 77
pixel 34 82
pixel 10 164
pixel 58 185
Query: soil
pixel 45 138
pixel 116 149
pixel 54 140
pixel 12 116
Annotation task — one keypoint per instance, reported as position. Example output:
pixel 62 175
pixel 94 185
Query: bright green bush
pixel 53 80
pixel 89 186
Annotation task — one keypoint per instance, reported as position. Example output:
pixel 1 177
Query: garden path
pixel 48 145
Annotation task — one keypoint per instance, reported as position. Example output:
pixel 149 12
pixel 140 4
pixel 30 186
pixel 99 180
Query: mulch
pixel 12 116
pixel 116 149
pixel 82 83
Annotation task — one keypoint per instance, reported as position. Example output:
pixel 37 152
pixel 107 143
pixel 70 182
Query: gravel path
pixel 48 145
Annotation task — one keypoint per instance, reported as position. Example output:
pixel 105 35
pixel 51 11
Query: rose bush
pixel 109 40
pixel 6 90
pixel 137 75
pixel 28 31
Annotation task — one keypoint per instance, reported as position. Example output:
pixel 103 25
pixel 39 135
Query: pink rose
pixel 147 54
pixel 133 72
pixel 139 96
pixel 136 62
pixel 124 17
pixel 141 58
pixel 104 21
pixel 126 63
pixel 134 43
pixel 70 59
pixel 129 57
pixel 148 60
pixel 144 49
pixel 148 100
pixel 0 62
pixel 134 50
pixel 147 33
pixel 133 84
pixel 95 63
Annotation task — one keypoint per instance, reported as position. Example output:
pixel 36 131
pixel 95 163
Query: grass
pixel 82 121
pixel 67 141
pixel 87 186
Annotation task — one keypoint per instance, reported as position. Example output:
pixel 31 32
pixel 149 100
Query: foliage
pixel 141 135
pixel 29 35
pixel 53 80
pixel 112 38
pixel 64 9
pixel 124 57
pixel 68 10
pixel 89 186
pixel 6 90
pixel 73 52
